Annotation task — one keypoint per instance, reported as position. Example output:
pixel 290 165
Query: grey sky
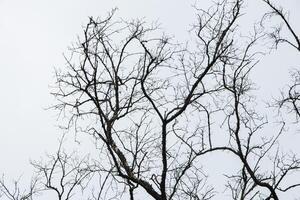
pixel 35 33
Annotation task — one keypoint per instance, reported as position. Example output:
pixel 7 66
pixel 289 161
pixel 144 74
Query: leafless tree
pixel 285 165
pixel 289 97
pixel 153 103
pixel 141 91
pixel 64 173
pixel 157 108
pixel 15 192
pixel 276 35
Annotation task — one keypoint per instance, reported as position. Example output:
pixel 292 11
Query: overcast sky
pixel 35 33
pixel 33 36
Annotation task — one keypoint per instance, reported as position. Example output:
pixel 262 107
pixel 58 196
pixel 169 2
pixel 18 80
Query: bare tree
pixel 64 173
pixel 15 192
pixel 140 90
pixel 289 97
pixel 156 108
pixel 153 103
pixel 276 35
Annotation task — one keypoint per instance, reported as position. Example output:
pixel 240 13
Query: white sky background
pixel 35 33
